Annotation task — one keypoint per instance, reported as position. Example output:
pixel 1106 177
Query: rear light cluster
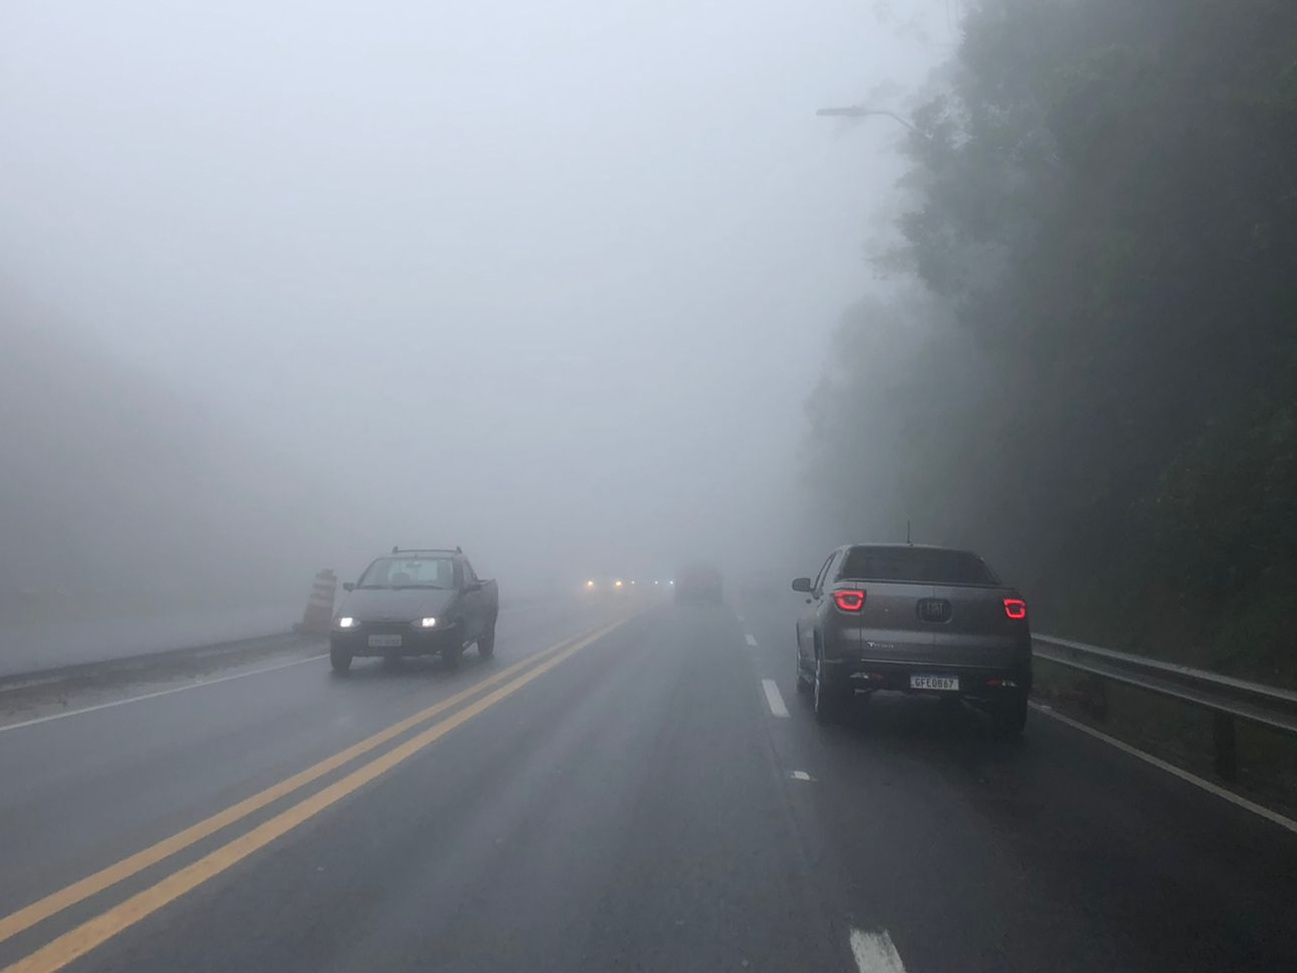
pixel 1015 608
pixel 849 601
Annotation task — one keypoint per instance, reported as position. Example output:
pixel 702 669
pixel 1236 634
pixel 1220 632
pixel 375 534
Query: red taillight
pixel 1015 608
pixel 849 601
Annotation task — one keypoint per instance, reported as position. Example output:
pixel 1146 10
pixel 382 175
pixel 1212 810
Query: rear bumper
pixel 413 642
pixel 983 682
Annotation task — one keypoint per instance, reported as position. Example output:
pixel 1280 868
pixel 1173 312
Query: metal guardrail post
pixel 1226 746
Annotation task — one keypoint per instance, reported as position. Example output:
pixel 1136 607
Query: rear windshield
pixel 915 564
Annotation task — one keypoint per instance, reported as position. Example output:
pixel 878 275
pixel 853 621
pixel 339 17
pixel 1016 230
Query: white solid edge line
pixel 751 641
pixel 774 699
pixel 1172 769
pixel 160 692
pixel 874 952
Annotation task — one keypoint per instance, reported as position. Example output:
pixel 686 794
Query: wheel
pixel 486 643
pixel 804 682
pixel 825 700
pixel 340 660
pixel 1009 717
pixel 451 655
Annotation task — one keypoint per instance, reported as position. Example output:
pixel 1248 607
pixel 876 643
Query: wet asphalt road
pixel 635 800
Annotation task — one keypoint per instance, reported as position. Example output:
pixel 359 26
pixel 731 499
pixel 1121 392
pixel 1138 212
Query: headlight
pixel 616 584
pixel 428 622
pixel 346 621
pixel 589 584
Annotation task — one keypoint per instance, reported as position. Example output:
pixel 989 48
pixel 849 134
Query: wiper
pixel 397 587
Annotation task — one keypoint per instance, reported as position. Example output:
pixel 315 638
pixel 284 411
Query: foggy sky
pixel 549 281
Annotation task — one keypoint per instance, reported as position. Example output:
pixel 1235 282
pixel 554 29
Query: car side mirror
pixel 472 586
pixel 349 586
pixel 802 584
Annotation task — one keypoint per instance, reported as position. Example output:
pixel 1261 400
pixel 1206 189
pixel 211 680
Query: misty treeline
pixel 122 495
pixel 1094 377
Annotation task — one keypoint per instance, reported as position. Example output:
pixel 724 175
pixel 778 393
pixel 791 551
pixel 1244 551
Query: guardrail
pixel 1227 698
pixel 98 669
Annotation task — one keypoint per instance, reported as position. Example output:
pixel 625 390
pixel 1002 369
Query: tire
pixel 451 655
pixel 825 700
pixel 486 643
pixel 805 684
pixel 340 660
pixel 1009 717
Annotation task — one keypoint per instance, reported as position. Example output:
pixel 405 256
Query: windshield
pixel 410 572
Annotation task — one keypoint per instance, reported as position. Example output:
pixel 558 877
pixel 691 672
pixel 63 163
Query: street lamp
pixel 859 111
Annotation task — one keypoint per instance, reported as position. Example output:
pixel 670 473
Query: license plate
pixel 385 641
pixel 934 682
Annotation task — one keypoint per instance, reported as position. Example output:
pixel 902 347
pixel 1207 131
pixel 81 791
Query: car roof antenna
pixel 907 532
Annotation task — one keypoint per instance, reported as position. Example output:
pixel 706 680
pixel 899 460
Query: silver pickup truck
pixel 913 619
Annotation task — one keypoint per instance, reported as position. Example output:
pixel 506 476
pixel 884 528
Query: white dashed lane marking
pixel 875 953
pixel 774 698
pixel 751 641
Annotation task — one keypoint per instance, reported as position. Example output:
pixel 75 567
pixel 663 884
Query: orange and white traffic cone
pixel 318 616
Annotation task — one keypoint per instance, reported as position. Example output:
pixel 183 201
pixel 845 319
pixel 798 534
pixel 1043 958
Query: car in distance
pixel 600 586
pixel 415 602
pixel 913 619
pixel 698 583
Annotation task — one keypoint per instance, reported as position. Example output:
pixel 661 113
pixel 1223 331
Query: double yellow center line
pixel 80 940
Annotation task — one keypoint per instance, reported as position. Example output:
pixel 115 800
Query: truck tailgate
pixel 978 632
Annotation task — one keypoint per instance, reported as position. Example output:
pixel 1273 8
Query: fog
pixel 284 286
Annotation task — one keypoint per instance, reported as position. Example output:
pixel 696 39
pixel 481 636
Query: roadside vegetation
pixel 1088 368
